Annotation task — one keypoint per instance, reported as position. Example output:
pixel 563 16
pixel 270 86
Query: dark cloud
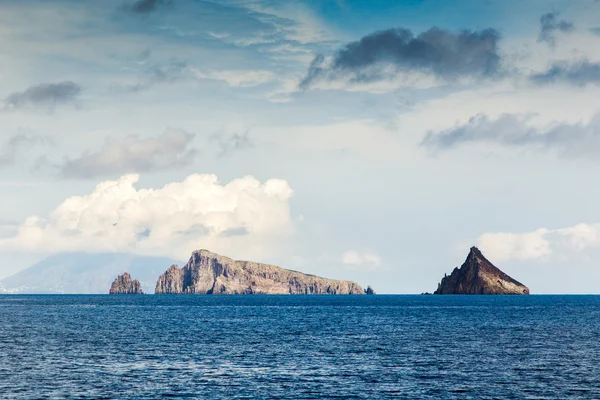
pixel 578 73
pixel 43 94
pixel 133 154
pixel 146 6
pixel 515 131
pixel 447 55
pixel 549 25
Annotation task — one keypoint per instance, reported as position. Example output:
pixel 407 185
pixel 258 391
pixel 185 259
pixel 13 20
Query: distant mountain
pixel 80 273
pixel 479 276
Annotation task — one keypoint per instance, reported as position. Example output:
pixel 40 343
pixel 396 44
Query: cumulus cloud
pixel 46 94
pixel 516 130
pixel 578 73
pixel 549 25
pixel 540 244
pixel 133 154
pixel 383 55
pixel 361 260
pixel 242 217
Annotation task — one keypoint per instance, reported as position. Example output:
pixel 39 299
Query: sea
pixel 299 347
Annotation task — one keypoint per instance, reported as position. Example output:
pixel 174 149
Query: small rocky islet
pixel 478 275
pixel 125 285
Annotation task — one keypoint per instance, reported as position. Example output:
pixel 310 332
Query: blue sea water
pixel 299 347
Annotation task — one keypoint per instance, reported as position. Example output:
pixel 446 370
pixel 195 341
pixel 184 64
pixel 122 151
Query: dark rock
pixel 124 285
pixel 369 290
pixel 479 276
pixel 210 273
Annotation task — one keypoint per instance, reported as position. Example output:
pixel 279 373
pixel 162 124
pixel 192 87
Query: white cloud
pixel 361 260
pixel 541 244
pixel 241 218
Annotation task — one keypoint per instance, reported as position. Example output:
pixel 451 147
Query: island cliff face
pixel 479 276
pixel 210 273
pixel 124 285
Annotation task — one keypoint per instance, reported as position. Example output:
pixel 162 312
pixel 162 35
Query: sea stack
pixel 124 285
pixel 479 276
pixel 210 273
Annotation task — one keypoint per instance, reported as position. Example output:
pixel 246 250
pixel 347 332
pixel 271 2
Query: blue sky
pixel 374 141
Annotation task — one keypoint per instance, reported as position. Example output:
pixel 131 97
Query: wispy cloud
pixel 153 73
pixel 240 78
pixel 517 131
pixel 20 142
pixel 229 143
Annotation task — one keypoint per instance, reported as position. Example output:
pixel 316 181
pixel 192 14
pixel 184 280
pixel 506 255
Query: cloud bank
pixel 242 217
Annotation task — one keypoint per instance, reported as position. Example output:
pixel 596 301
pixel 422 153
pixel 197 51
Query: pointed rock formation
pixel 124 285
pixel 369 290
pixel 210 273
pixel 479 276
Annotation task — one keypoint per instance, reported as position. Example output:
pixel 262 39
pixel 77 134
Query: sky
pixel 373 141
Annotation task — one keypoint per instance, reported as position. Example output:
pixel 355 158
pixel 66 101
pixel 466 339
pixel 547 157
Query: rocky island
pixel 210 273
pixel 124 285
pixel 479 276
